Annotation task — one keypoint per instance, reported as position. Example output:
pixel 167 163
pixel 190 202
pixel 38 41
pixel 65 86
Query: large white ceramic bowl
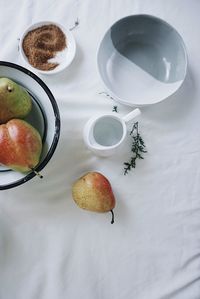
pixel 65 57
pixel 142 60
pixel 44 116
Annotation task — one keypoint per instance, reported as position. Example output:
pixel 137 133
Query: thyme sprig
pixel 137 148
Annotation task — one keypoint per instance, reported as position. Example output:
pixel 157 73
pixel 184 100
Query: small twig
pixel 75 25
pixel 106 94
pixel 37 173
pixel 135 127
pixel 115 107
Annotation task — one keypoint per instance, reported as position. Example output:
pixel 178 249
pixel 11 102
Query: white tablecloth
pixel 51 249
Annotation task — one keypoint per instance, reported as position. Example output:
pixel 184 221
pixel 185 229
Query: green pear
pixel 15 101
pixel 93 192
pixel 20 145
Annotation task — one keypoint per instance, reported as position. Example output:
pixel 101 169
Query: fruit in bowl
pixel 20 142
pixel 29 125
pixel 15 101
pixel 20 145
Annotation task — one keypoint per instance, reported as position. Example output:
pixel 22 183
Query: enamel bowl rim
pixel 70 37
pixel 98 62
pixel 54 143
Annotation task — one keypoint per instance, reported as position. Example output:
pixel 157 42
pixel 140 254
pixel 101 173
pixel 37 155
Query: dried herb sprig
pixel 137 148
pixel 76 23
pixel 115 107
pixel 106 94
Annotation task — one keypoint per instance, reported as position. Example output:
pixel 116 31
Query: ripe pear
pixel 20 145
pixel 93 192
pixel 15 101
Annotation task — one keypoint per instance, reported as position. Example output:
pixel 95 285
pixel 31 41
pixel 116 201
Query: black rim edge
pixel 57 125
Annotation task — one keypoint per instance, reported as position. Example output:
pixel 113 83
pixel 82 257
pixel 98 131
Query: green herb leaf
pixel 115 109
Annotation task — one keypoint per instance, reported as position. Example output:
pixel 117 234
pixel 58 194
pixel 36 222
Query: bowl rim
pixel 69 35
pixel 112 93
pixel 54 143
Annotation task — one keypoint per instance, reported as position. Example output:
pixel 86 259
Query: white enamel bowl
pixel 44 116
pixel 66 57
pixel 142 60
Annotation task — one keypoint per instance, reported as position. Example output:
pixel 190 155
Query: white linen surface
pixel 51 249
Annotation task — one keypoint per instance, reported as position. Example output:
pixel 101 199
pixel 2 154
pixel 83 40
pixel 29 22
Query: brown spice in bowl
pixel 42 44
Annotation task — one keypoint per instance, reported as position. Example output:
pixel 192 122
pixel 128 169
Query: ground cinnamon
pixel 42 44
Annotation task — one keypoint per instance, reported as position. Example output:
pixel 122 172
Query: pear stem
pixel 9 88
pixel 37 173
pixel 112 220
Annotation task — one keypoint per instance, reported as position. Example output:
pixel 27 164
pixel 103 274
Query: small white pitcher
pixel 104 134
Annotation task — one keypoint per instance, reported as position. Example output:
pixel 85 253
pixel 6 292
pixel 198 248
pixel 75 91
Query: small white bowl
pixel 66 57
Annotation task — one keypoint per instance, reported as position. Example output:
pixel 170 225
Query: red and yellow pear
pixel 20 145
pixel 93 192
